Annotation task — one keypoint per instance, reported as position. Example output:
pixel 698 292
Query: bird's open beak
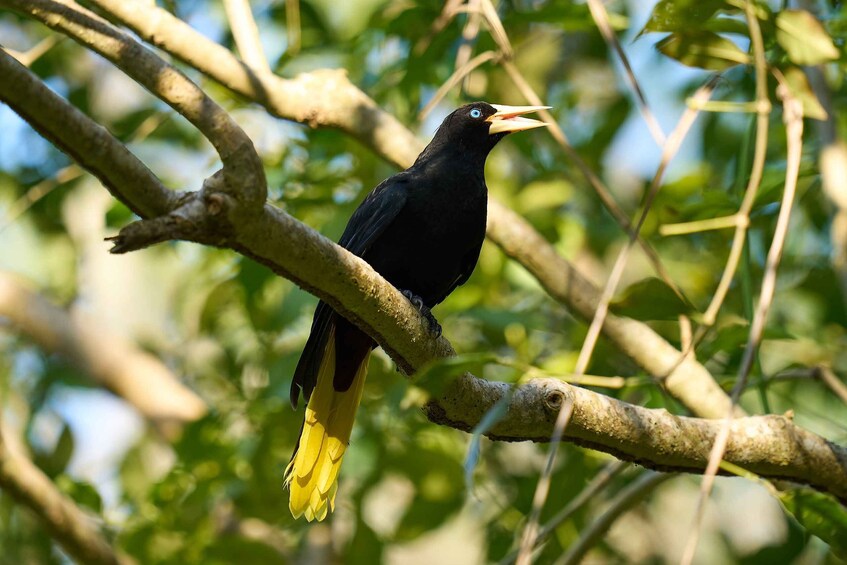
pixel 508 119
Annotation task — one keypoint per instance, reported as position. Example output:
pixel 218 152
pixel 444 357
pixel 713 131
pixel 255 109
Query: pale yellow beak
pixel 508 119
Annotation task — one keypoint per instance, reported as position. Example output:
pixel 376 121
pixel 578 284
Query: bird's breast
pixel 432 241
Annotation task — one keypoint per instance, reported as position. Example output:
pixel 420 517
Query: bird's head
pixel 476 128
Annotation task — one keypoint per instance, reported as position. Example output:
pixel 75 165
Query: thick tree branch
pixel 86 142
pixel 770 446
pixel 242 166
pixel 329 99
pixel 324 98
pixel 75 530
pixel 138 377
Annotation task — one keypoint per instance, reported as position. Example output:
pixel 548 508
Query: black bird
pixel 422 230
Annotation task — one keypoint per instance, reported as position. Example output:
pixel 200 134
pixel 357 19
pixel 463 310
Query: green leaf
pixel 681 15
pixel 726 25
pixel 81 492
pixel 435 376
pixel 804 38
pixel 820 514
pixel 703 49
pixel 64 449
pixel 649 299
pixel 55 462
pixel 800 88
pixel 488 421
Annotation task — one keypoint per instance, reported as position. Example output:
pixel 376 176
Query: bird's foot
pixel 418 303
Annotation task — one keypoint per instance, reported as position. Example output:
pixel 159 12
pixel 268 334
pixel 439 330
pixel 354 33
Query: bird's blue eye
pixel 475 113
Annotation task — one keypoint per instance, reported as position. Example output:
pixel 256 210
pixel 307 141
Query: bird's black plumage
pixel 421 229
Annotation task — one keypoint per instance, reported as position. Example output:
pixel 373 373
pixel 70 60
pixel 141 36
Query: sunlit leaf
pixel 55 462
pixel 804 38
pixel 81 492
pixel 820 514
pixel 682 15
pixel 800 88
pixel 703 49
pixel 649 299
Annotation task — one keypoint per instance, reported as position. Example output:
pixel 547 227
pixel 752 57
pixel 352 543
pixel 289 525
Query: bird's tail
pixel 312 474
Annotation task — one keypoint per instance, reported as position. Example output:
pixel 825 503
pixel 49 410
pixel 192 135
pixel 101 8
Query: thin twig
pixel 75 530
pixel 39 191
pixel 763 105
pixel 699 226
pixel 758 167
pixel 498 32
pixel 31 55
pixel 601 18
pixel 669 151
pixel 598 483
pixel 292 26
pixel 246 33
pixel 793 117
pixel 455 79
pixel 542 489
pixel 243 169
pixel 448 12
pixel 599 187
pixel 558 134
pixel 626 499
pixel 829 378
pixel 469 34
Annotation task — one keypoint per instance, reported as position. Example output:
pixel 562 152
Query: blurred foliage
pixel 412 492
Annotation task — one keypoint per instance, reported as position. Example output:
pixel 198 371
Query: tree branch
pixel 324 98
pixel 242 166
pixel 75 530
pixel 328 99
pixel 770 446
pixel 686 379
pixel 86 142
pixel 134 375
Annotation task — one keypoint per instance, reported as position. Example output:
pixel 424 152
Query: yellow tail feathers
pixel 312 475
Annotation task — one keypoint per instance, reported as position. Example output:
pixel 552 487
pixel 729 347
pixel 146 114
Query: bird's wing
pixel 468 265
pixel 374 214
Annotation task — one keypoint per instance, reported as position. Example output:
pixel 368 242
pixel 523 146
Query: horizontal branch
pixel 135 375
pixel 327 98
pixel 76 531
pixel 770 446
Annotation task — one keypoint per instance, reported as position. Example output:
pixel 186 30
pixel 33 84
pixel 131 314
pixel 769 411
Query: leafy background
pixel 233 331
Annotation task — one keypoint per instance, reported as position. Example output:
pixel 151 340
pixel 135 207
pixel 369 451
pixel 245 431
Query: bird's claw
pixel 418 303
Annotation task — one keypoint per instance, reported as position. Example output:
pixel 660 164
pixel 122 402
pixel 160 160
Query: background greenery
pixel 233 331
